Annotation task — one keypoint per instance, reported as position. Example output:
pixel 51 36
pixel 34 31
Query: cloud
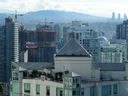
pixel 94 7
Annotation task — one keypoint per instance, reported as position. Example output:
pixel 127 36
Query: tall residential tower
pixel 12 44
pixel 2 54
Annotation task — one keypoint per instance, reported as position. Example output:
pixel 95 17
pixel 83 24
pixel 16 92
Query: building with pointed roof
pixel 74 58
pixel 73 48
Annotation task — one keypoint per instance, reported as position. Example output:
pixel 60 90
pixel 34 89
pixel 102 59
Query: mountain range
pixel 61 16
pixel 32 18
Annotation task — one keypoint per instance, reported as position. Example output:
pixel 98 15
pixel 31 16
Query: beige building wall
pixel 43 84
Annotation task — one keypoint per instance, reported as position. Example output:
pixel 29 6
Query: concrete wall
pixel 79 65
pixel 123 88
pixel 115 75
pixel 87 88
pixel 43 84
pixel 98 86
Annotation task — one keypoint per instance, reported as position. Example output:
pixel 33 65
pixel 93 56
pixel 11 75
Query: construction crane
pixel 16 15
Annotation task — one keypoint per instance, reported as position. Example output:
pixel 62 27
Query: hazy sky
pixel 93 7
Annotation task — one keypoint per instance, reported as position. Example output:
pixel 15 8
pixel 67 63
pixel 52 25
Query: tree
pixel 1 89
pixel 36 73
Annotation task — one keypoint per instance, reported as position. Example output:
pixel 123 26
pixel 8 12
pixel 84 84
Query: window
pixel 115 89
pixel 38 89
pixel 47 90
pixel 74 80
pixel 66 92
pixel 82 92
pixel 15 76
pixel 27 87
pixel 78 85
pixel 77 36
pixel 74 93
pixel 106 90
pixel 92 91
pixel 65 82
pixel 78 93
pixel 70 82
pixel 59 91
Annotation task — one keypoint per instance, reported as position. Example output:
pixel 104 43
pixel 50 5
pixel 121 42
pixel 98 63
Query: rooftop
pixel 73 48
pixel 111 66
pixel 73 74
pixel 34 65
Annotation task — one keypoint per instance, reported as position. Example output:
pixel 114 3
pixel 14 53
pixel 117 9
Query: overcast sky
pixel 92 7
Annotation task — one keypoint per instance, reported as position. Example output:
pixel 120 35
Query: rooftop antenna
pixel 16 14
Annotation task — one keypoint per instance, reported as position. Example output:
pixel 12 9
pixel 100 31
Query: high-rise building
pixel 2 54
pixel 125 16
pixel 122 30
pixel 40 44
pixel 119 17
pixel 88 38
pixel 111 54
pixel 12 44
pixel 113 16
pixel 61 35
pixel 22 39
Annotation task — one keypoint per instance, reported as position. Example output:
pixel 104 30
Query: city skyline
pixel 101 8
